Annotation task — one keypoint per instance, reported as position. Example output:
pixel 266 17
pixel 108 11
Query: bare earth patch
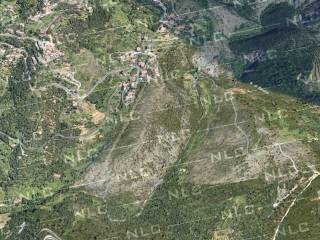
pixel 228 161
pixel 97 116
pixel 142 152
pixel 4 218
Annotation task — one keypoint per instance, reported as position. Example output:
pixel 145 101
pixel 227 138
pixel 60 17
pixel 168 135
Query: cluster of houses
pixel 128 88
pixel 144 71
pixel 50 51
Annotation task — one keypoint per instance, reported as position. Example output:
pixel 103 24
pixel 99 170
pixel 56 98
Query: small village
pixel 145 69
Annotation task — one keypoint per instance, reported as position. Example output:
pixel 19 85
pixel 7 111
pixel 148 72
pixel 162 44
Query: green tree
pixel 29 7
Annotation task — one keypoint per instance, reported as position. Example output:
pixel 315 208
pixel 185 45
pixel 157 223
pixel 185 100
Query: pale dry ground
pixel 4 218
pixel 96 116
pixel 236 165
pixel 206 60
pixel 313 80
pixel 143 150
pixel 224 234
pixel 225 21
